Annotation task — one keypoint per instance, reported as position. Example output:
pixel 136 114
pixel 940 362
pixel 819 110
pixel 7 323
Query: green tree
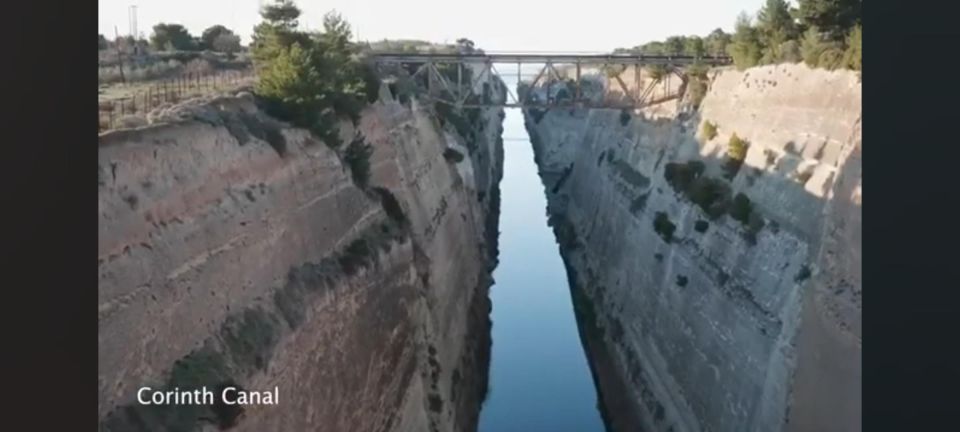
pixel 853 55
pixel 226 43
pixel 832 58
pixel 745 48
pixel 790 52
pixel 277 32
pixel 812 46
pixel 772 47
pixel 282 13
pixel 833 17
pixel 310 79
pixel 172 36
pixel 774 19
pixel 717 41
pixel 293 86
pixel 674 45
pixel 653 48
pixel 694 46
pixel 103 43
pixel 211 34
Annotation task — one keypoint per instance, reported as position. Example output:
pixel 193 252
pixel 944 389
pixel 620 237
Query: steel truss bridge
pixel 434 74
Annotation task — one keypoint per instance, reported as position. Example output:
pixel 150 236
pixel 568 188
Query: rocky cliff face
pixel 234 249
pixel 715 295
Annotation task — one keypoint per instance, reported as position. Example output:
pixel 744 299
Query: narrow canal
pixel 539 377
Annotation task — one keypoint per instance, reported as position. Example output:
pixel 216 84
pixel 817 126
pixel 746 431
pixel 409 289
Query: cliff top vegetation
pixel 820 33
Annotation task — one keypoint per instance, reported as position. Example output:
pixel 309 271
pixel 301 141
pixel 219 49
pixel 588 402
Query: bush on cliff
pixel 740 208
pixel 709 130
pixel 680 176
pixel 452 155
pixel 736 154
pixel 853 56
pixel 663 226
pixel 822 33
pixel 357 156
pixel 310 79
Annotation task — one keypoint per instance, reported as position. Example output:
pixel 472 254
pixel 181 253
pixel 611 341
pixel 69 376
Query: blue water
pixel 539 377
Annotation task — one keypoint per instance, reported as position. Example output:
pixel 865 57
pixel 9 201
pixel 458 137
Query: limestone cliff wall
pixel 234 248
pixel 704 322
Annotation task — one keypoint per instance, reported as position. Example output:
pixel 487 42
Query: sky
pixel 494 25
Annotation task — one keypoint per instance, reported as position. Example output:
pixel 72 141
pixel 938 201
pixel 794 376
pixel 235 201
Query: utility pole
pixel 132 16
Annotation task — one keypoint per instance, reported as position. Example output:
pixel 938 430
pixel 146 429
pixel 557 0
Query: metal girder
pixel 553 58
pixel 533 84
pixel 458 94
pixel 443 80
pixel 516 99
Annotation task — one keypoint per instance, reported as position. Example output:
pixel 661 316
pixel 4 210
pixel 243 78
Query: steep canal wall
pixel 235 249
pixel 716 279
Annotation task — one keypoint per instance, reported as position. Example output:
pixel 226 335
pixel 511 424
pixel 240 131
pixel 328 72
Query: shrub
pixel 790 52
pixel 452 155
pixel 709 130
pixel 624 117
pixel 219 38
pixel 712 195
pixel 736 153
pixel 853 56
pixel 698 90
pixel 803 274
pixel 740 208
pixel 663 226
pixel 701 226
pixel 831 58
pixel 357 156
pixel 737 148
pixel 355 256
pixel 390 205
pixel 681 176
pixel 172 37
pixel 682 281
pixel 812 46
pixel 436 404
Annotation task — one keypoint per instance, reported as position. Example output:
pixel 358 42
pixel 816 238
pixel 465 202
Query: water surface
pixel 539 377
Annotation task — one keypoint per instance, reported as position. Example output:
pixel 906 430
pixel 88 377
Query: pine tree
pixel 774 19
pixel 277 31
pixel 834 17
pixel 746 48
pixel 717 42
pixel 694 46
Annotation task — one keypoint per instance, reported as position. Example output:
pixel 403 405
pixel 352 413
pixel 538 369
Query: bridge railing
pixel 539 57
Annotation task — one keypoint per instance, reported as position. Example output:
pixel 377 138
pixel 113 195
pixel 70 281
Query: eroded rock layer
pixel 237 250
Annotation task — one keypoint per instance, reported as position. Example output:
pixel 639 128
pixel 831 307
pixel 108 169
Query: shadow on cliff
pixel 722 182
